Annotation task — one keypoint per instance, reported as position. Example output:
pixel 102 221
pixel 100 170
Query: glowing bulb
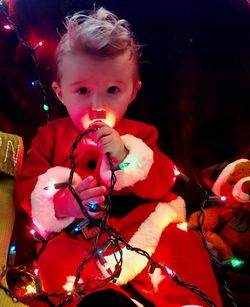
pixel 69 286
pixel 77 228
pixel 36 271
pixel 237 263
pixel 179 174
pixel 110 119
pixel 12 254
pixel 170 272
pixel 46 107
pixel 30 289
pixel 35 82
pixel 13 249
pixel 7 27
pixel 223 198
pixel 123 165
pixel 182 226
pixel 38 45
pixel 32 231
pixel 94 206
pixel 176 172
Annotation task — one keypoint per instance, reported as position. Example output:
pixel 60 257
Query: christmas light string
pixel 116 238
pixel 81 289
pixel 11 26
pixel 207 199
pixel 214 259
pixel 216 262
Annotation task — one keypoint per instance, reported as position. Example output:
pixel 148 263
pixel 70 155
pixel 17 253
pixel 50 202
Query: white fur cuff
pixel 146 238
pixel 139 159
pixel 42 205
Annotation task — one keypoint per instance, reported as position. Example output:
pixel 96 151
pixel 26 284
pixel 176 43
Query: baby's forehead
pixel 96 73
pixel 80 65
pixel 86 63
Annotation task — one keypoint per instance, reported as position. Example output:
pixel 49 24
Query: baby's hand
pixel 109 140
pixel 88 191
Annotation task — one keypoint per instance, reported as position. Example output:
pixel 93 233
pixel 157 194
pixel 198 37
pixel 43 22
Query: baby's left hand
pixel 109 140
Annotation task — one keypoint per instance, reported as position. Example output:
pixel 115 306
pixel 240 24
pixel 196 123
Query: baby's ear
pixel 137 87
pixel 57 89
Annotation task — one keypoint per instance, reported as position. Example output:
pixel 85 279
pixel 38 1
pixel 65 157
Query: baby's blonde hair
pixel 100 33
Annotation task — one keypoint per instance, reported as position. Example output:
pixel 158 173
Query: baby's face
pixel 94 88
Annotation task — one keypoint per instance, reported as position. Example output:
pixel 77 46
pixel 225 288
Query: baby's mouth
pixel 97 115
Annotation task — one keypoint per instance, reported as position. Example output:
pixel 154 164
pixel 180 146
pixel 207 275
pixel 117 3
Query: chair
pixel 11 155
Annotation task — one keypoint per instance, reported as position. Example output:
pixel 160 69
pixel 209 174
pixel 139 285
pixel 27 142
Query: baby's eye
pixel 83 91
pixel 113 90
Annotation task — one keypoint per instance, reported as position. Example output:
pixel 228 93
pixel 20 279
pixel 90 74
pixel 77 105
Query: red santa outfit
pixel 149 175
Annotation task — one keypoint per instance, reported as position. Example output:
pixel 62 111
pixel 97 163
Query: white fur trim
pixel 42 205
pixel 220 181
pixel 146 238
pixel 140 159
pixel 137 303
pixel 237 192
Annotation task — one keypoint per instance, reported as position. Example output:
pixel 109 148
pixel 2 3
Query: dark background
pixel 195 72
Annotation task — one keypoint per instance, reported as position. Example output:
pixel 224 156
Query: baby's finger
pixel 97 215
pixel 105 144
pixel 101 133
pixel 104 131
pixel 88 182
pixel 93 192
pixel 97 124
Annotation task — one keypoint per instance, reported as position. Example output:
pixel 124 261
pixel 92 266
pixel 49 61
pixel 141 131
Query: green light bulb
pixel 46 107
pixel 236 262
pixel 123 165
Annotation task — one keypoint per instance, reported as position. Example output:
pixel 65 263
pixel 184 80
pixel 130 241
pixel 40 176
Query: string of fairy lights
pixel 28 278
pixel 9 26
pixel 79 288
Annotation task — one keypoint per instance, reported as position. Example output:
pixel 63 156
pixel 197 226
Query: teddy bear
pixel 226 225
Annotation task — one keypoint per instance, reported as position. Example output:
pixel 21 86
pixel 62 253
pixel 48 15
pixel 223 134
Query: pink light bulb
pixel 7 27
pixel 32 231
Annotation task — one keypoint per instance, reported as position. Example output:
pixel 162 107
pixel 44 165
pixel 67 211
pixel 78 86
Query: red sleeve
pixel 161 176
pixel 38 160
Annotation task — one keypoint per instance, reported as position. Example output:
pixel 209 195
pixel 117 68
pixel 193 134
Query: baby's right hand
pixel 88 191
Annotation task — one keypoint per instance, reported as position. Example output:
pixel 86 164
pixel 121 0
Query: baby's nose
pixel 97 102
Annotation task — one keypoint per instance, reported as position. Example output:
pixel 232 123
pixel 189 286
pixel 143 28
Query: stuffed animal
pixel 226 224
